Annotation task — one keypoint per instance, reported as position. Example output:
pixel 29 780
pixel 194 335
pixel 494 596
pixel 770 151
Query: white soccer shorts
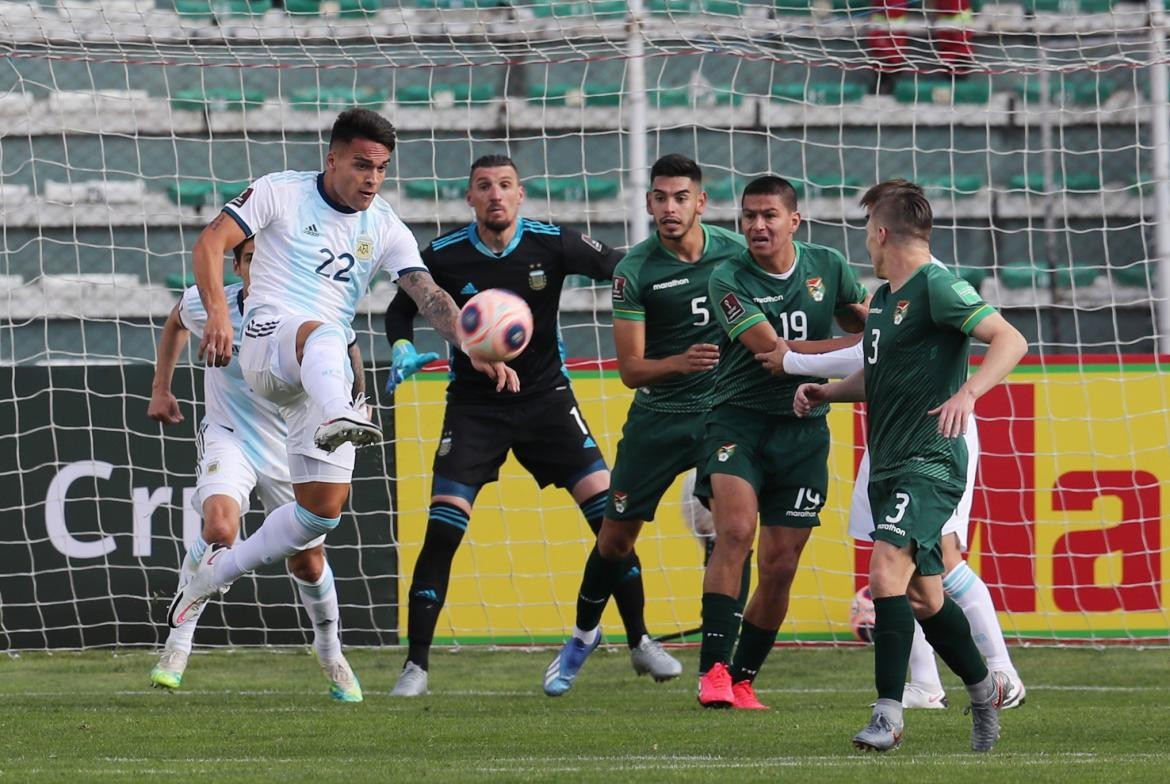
pixel 861 516
pixel 268 359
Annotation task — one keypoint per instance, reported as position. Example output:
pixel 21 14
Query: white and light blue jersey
pixel 315 257
pixel 229 402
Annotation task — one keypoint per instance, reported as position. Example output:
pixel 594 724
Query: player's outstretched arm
pixel 220 236
pixel 809 396
pixel 1005 348
pixel 164 407
pixel 834 358
pixel 629 339
pixel 437 307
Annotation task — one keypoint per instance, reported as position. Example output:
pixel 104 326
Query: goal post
pixel 1038 127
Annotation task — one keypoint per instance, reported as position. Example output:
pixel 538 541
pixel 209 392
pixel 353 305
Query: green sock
pixel 949 634
pixel 720 623
pixel 597 584
pixel 893 634
pixel 754 646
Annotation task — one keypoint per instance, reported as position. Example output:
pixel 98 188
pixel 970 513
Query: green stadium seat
pixel 190 193
pixel 226 191
pixel 209 8
pixel 726 7
pixel 217 99
pixel 573 188
pixel 1068 6
pixel 820 92
pixel 558 9
pixel 454 5
pixel 1034 183
pixel 792 7
pixel 666 97
pixel 947 186
pixel 976 90
pixel 1141 183
pixel 302 7
pixel 1024 275
pixel 336 99
pixel 1068 276
pixel 1083 93
pixel 726 190
pixel 603 94
pixel 350 9
pixel 184 282
pixel 973 274
pixel 444 189
pixel 445 94
pixel 1140 274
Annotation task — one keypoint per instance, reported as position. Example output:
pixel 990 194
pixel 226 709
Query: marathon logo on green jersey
pixel 900 310
pixel 732 310
pixel 967 293
pixel 619 288
pixel 725 452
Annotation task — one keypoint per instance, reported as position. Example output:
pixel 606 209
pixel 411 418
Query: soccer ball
pixel 495 325
pixel 861 615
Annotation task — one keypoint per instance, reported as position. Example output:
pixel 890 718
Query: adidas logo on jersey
pixel 311 230
pixel 469 289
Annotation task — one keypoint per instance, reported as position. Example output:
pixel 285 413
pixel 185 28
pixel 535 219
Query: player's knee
pixel 221 521
pixel 615 540
pixel 779 569
pixel 308 565
pixel 735 539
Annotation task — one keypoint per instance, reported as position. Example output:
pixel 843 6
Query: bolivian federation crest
pixel 620 501
pixel 364 249
pixel 725 452
pixel 537 280
pixel 816 288
pixel 900 310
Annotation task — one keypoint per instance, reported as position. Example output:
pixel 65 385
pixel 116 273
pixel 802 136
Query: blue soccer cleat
pixel 558 678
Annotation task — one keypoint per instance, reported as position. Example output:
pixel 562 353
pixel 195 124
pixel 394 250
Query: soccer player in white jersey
pixel 320 239
pixel 839 358
pixel 241 447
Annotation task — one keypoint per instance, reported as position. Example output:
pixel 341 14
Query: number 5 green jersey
pixel 799 305
pixel 652 285
pixel 916 358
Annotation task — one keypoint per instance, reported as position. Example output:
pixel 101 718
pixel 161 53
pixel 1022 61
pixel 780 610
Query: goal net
pixel 1037 126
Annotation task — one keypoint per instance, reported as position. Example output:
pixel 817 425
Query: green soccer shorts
pixel 655 448
pixel 783 458
pixel 911 509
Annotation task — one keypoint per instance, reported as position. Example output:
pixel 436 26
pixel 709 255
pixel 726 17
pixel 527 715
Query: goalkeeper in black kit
pixel 541 423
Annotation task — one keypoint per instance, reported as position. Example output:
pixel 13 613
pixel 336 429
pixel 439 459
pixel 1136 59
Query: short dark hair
pixel 493 161
pixel 901 206
pixel 675 165
pixel 771 185
pixel 358 123
pixel 238 251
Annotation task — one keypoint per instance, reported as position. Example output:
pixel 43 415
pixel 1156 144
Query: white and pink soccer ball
pixel 861 615
pixel 495 325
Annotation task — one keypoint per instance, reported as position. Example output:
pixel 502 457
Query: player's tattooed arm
pixel 435 305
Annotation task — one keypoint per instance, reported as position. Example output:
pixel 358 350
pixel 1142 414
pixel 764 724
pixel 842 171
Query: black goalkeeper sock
pixel 949 633
pixel 432 572
pixel 754 646
pixel 597 585
pixel 893 634
pixel 628 592
pixel 720 624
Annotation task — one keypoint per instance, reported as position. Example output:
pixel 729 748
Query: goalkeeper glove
pixel 405 361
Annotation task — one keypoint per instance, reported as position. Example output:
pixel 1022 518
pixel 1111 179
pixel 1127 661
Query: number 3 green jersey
pixel 652 285
pixel 916 357
pixel 799 305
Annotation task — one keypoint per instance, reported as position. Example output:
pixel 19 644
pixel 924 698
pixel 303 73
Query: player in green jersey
pixel 666 349
pixel 919 400
pixel 761 463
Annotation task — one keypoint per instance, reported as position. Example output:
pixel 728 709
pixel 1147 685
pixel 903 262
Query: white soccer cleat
pixel 649 657
pixel 916 696
pixel 350 425
pixel 1015 692
pixel 412 682
pixel 343 684
pixel 168 673
pixel 202 586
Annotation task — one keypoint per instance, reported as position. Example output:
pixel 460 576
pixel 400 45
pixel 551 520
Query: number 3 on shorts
pixel 900 508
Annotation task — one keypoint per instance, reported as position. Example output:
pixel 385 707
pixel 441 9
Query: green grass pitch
pixel 256 715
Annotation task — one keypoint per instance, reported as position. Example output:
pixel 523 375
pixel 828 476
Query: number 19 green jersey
pixel 916 357
pixel 653 285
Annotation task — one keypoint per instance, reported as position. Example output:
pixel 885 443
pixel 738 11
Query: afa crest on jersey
pixel 445 446
pixel 900 310
pixel 725 452
pixel 816 288
pixel 537 280
pixel 364 249
pixel 620 502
